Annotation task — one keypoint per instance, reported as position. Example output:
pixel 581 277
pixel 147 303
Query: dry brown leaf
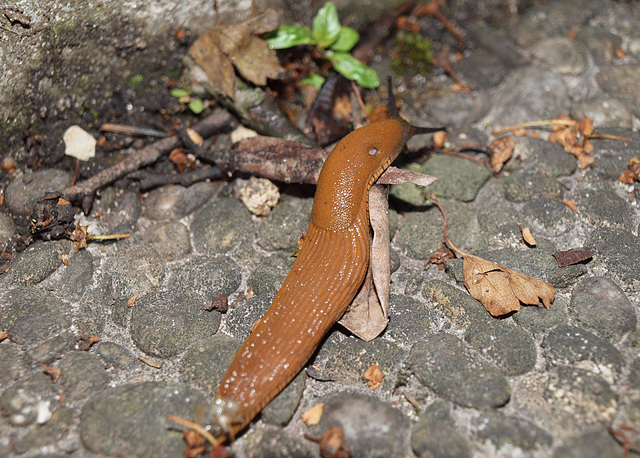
pixel 132 300
pixel 440 138
pixel 312 416
pixel 52 372
pixel 368 314
pixel 220 48
pixel 632 172
pixel 500 289
pixel 374 376
pixel 501 151
pixel 150 362
pixel 527 236
pixel 394 175
pixel 208 55
pixel 3 335
pixel 569 203
pixel 332 444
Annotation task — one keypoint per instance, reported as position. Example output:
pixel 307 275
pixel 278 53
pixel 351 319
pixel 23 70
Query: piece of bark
pixel 273 158
pixel 573 256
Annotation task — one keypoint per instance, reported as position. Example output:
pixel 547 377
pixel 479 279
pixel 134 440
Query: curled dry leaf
pixel 440 138
pixel 368 314
pixel 632 172
pixel 196 444
pixel 374 375
pixel 312 416
pixel 150 362
pixel 219 48
pixel 501 151
pixel 569 203
pixel 3 335
pixel 500 289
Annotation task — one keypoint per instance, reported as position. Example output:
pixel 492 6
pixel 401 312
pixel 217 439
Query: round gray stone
pixel 446 365
pixel 170 239
pixel 32 315
pixel 164 324
pixel 131 419
pixel 371 427
pixel 509 430
pixel 221 226
pixel 510 347
pixel 82 376
pixel 22 194
pixel 174 202
pixel 208 276
pixel 435 434
pixel 599 304
pixel 23 400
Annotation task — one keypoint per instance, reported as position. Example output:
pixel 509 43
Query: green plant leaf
pixel 314 80
pixel 196 106
pixel 347 39
pixel 326 25
pixel 178 92
pixel 288 36
pixel 350 67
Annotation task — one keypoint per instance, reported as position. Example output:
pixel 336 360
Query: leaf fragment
pixel 312 416
pixel 374 376
pixel 573 256
pixel 632 172
pixel 527 236
pixel 501 151
pixel 500 289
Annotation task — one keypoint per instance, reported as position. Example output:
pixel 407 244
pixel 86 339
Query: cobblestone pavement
pixel 457 382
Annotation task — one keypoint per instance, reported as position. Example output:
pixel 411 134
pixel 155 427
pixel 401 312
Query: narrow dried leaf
pixel 150 362
pixel 569 203
pixel 573 256
pixel 527 236
pixel 500 289
pixel 312 416
pixel 368 314
pixel 132 300
pixel 4 335
pixel 374 376
pixel 394 175
pixel 208 55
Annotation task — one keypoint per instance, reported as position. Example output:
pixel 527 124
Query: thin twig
pixel 132 130
pixel 82 193
pixel 196 427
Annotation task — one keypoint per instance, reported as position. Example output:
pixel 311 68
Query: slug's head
pixel 355 164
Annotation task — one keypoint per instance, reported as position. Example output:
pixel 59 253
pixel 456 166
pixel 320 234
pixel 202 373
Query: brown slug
pixel 324 279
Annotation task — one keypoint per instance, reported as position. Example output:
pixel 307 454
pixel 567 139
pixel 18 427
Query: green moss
pixel 412 53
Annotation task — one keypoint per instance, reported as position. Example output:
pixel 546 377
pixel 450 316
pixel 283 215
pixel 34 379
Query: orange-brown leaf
pixel 501 290
pixel 632 172
pixel 374 376
pixel 312 416
pixel 501 151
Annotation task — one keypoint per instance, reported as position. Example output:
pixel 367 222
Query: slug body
pixel 325 277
